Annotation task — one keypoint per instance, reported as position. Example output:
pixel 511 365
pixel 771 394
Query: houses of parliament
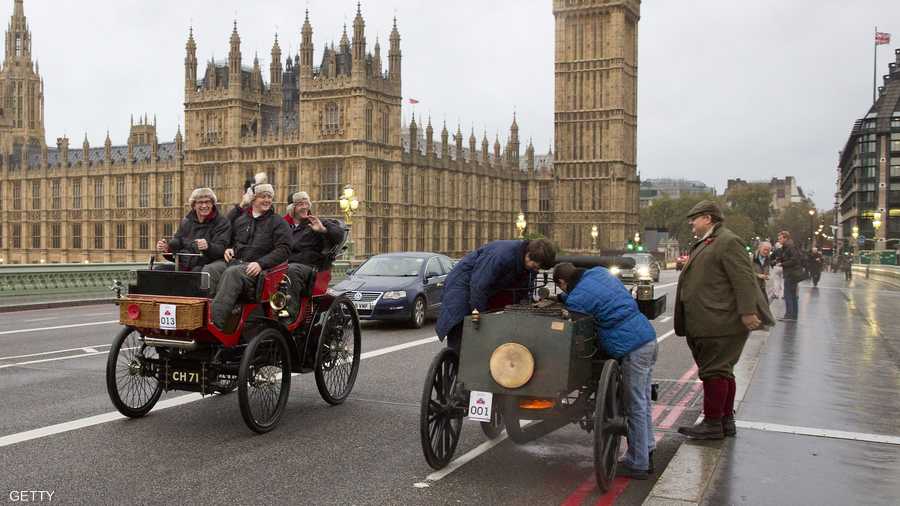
pixel 317 122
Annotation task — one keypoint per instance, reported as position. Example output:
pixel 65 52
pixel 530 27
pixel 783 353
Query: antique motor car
pixel 644 265
pixel 532 361
pixel 170 343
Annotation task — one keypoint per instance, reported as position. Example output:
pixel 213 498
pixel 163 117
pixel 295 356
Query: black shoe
pixel 709 428
pixel 651 469
pixel 728 426
pixel 634 474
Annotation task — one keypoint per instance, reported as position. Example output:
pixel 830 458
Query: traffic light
pixel 630 246
pixel 640 248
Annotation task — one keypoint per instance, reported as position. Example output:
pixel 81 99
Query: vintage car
pixel 170 343
pixel 532 361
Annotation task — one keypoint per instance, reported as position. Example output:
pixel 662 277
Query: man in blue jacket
pixel 624 334
pixel 482 274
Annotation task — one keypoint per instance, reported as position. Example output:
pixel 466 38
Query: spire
pixel 234 56
pixel 376 59
pixel 18 38
pixel 484 148
pixel 497 148
pixel 445 135
pixel 306 48
pixel 275 69
pixel 394 54
pixel 429 139
pixel 512 147
pixel 359 41
pixel 345 41
pixel 472 145
pixel 413 135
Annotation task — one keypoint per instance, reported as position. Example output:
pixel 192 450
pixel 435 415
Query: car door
pixel 435 275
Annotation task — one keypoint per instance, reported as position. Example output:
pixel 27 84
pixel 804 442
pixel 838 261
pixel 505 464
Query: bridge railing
pixel 32 283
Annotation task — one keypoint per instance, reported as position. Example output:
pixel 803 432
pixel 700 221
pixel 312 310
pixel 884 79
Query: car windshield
pixel 640 259
pixel 391 266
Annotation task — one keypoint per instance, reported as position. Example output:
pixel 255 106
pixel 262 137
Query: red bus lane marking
pixel 681 406
pixel 586 488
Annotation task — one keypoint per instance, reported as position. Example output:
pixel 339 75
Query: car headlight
pixel 512 365
pixel 615 271
pixel 333 292
pixel 394 295
pixel 643 271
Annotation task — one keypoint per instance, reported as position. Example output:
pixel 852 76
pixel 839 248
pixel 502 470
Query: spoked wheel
pixel 130 379
pixel 441 413
pixel 493 428
pixel 337 363
pixel 264 380
pixel 609 424
pixel 513 416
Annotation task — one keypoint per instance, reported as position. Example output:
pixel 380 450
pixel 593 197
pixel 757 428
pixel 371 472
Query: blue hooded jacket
pixel 621 327
pixel 478 276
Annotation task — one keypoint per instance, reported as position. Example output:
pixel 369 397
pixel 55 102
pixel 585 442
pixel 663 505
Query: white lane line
pixel 464 459
pixel 42 319
pixel 81 423
pixel 53 352
pixel 22 331
pixel 665 336
pixel 665 285
pixel 665 319
pixel 812 431
pixel 90 350
pixel 43 360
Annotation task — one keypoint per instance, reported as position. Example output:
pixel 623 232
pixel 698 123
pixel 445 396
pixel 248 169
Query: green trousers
pixel 717 356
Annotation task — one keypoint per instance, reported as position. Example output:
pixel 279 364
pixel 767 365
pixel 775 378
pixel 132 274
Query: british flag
pixel 882 38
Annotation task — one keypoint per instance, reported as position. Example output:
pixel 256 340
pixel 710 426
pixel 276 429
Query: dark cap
pixel 705 207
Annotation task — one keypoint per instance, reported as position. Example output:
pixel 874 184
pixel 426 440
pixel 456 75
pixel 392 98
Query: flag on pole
pixel 413 101
pixel 882 38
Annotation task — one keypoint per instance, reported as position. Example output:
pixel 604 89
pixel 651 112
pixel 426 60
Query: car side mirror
pixel 350 271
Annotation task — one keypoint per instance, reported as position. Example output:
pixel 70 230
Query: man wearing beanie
pixel 260 240
pixel 717 304
pixel 203 231
pixel 309 237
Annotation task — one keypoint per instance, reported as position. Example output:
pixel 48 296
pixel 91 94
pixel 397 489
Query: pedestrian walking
pixel 814 265
pixel 762 266
pixel 717 303
pixel 792 262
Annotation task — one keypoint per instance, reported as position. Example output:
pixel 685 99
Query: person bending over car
pixel 261 240
pixel 203 231
pixel 625 334
pixel 310 236
pixel 481 274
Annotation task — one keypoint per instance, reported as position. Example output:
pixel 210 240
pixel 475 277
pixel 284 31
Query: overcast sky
pixel 727 88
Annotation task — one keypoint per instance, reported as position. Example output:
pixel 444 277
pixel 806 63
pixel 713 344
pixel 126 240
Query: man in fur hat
pixel 260 240
pixel 310 236
pixel 203 231
pixel 240 207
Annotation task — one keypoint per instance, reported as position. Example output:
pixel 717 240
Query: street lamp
pixel 594 234
pixel 876 224
pixel 521 224
pixel 812 226
pixel 855 235
pixel 637 242
pixel 349 204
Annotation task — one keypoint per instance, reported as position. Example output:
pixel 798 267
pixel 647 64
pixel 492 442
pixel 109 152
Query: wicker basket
pixel 188 312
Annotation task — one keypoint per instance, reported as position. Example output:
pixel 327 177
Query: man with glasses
pixel 204 232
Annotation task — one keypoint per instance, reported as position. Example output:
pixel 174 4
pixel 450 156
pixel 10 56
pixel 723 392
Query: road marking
pixel 665 285
pixel 665 336
pixel 468 456
pixel 22 331
pixel 82 423
pixel 812 431
pixel 41 361
pixel 52 352
pixel 42 319
pixel 90 350
pixel 664 320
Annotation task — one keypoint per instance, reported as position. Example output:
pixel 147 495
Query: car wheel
pixel 417 313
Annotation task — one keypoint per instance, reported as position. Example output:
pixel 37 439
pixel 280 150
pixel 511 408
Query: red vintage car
pixel 170 343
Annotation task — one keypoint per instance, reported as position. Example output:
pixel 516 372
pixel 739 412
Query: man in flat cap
pixel 717 304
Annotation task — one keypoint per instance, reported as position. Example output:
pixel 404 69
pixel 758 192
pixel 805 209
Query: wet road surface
pixel 821 419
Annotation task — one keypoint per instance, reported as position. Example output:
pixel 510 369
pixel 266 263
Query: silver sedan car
pixel 645 266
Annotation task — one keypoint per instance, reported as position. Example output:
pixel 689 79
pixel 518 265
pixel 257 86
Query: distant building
pixel 652 189
pixel 869 169
pixel 784 191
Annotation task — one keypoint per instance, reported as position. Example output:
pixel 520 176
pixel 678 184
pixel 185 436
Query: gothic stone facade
pixel 319 127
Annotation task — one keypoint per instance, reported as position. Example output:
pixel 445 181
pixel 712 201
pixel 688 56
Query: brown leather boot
pixel 728 426
pixel 709 428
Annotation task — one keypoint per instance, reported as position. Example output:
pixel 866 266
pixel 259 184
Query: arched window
pixel 385 127
pixel 369 114
pixel 332 117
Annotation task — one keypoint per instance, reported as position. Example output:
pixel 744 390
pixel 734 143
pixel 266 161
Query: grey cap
pixel 705 207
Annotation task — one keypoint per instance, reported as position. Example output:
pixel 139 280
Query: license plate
pixel 480 405
pixel 363 306
pixel 184 376
pixel 167 318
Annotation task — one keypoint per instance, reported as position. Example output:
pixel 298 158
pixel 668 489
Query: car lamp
pixel 134 311
pixel 394 295
pixel 512 365
pixel 643 271
pixel 615 270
